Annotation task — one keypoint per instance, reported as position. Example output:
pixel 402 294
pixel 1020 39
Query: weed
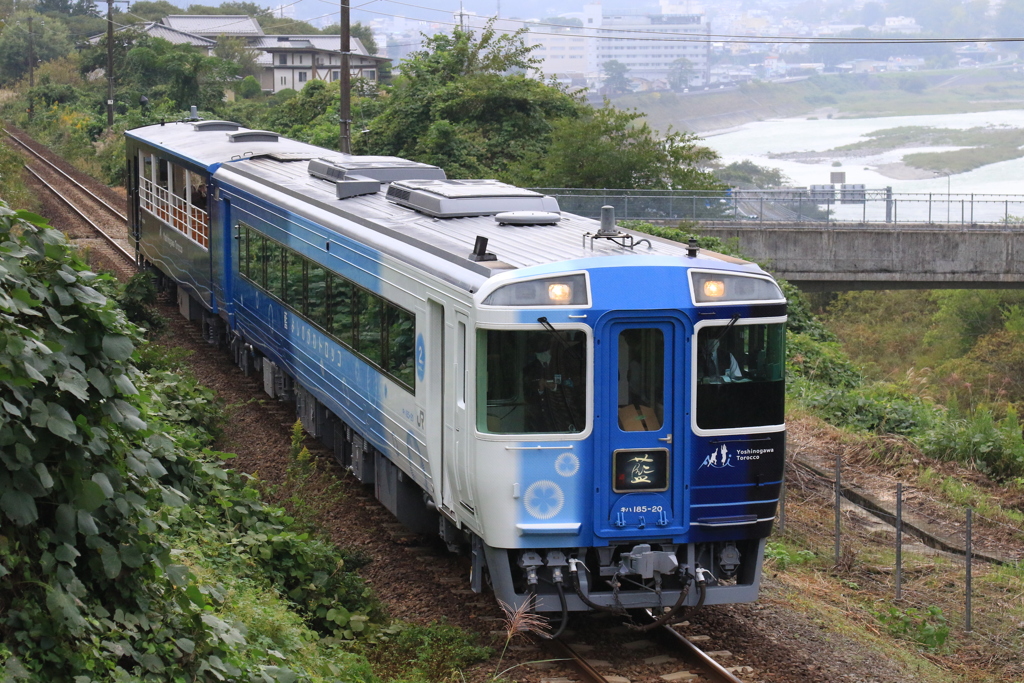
pixel 432 653
pixel 519 621
pixel 784 557
pixel 929 629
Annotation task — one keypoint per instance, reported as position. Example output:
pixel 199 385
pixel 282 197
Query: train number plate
pixel 640 470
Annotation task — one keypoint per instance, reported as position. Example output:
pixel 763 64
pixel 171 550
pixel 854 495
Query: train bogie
pixel 595 415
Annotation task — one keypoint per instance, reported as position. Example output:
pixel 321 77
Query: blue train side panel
pixel 379 409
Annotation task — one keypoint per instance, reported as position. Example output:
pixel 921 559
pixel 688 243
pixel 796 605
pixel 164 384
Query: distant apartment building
pixel 904 25
pixel 563 50
pixel 649 44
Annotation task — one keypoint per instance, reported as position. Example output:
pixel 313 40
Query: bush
pixel 249 88
pixel 995 447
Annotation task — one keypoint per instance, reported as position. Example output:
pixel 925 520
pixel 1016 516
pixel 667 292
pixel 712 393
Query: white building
pixel 905 25
pixel 649 45
pixel 293 61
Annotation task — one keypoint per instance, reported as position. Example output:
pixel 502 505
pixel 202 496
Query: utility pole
pixel 345 109
pixel 110 63
pixel 31 69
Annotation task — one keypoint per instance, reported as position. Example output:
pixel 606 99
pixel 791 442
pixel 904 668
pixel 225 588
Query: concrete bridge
pixel 844 256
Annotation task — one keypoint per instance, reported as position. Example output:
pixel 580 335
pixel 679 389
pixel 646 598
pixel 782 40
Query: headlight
pixel 566 290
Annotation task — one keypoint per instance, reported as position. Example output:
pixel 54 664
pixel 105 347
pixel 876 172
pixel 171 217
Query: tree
pixel 151 10
pixel 679 74
pixel 249 88
pixel 615 79
pixel 234 49
pixel 357 30
pixel 1010 18
pixel 248 8
pixel 606 148
pixel 285 26
pixel 67 8
pixel 49 41
pixel 461 105
pixel 748 175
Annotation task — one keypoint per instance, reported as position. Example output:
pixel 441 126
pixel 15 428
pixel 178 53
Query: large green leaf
pixel 90 497
pixel 60 423
pixel 19 507
pixel 178 574
pixel 117 346
pixel 100 381
pixel 111 560
pixel 73 382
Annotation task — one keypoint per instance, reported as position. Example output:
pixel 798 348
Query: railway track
pixel 679 660
pixel 106 236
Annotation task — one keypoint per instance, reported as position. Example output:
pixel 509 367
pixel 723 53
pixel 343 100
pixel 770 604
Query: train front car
pixel 595 413
pixel 630 429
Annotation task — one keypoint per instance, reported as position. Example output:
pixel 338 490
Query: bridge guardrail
pixel 818 205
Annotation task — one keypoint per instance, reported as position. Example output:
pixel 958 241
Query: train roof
pixel 277 163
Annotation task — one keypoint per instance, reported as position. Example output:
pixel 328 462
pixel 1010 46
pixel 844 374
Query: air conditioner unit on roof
pixel 463 198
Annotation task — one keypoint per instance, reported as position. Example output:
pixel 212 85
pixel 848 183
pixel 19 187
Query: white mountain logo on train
pixel 719 458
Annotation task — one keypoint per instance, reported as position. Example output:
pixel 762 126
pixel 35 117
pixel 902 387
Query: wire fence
pixel 909 515
pixel 817 204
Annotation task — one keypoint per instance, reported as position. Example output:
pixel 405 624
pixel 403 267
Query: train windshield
pixel 740 375
pixel 532 382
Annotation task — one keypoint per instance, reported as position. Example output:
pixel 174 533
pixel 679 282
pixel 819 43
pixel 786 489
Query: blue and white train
pixel 594 414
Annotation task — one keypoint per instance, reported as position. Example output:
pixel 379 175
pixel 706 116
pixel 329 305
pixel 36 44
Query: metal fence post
pixel 899 540
pixel 967 552
pixel 929 207
pixel 839 505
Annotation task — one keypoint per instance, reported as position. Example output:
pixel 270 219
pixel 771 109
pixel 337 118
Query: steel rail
pixel 79 185
pixel 710 668
pixel 111 240
pixel 583 668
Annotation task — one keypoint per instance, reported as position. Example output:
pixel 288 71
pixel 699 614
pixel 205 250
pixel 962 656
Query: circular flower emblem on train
pixel 421 357
pixel 544 499
pixel 567 464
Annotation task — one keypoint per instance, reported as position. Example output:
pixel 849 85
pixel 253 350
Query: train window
pixel 257 273
pixel 294 280
pixel 180 179
pixel 740 375
pixel 316 294
pixel 147 165
pixel 384 334
pixel 340 305
pixel 273 254
pixel 243 249
pixel 369 328
pixel 163 165
pixel 641 380
pixel 401 333
pixel 532 382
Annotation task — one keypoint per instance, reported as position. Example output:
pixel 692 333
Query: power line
pixel 665 36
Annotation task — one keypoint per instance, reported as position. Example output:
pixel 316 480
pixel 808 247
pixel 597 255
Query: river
pixel 756 141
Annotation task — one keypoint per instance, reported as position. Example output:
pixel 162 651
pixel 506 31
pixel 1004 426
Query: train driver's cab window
pixel 740 375
pixel 531 382
pixel 641 380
